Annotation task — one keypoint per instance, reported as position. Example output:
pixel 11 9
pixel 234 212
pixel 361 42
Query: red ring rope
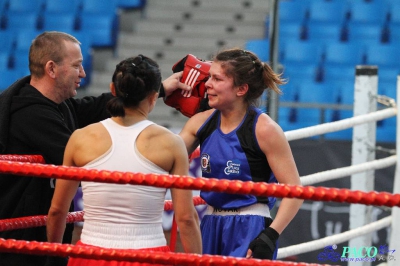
pixel 204 184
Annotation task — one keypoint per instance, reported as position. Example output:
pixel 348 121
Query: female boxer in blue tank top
pixel 240 142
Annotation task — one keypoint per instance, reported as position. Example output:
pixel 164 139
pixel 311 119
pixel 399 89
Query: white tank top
pixel 123 215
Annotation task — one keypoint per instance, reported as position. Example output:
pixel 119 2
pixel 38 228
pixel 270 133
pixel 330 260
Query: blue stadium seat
pixel 4 60
pixel 99 7
pixel 24 38
pixel 394 33
pixel 394 16
pixel 8 77
pixel 20 60
pixel 337 53
pixel 103 29
pixel 339 73
pixel 290 118
pixel 296 118
pixel 17 21
pixel 291 31
pixel 387 88
pixel 62 6
pixel 289 92
pixel 131 4
pixel 65 22
pixel 26 6
pixel 7 40
pixel 312 92
pixel 365 33
pixel 371 12
pixel 307 72
pixel 293 11
pixel 3 6
pixel 260 47
pixel 328 12
pixel 324 32
pixel 286 118
pixel 302 52
pixel 383 55
pixel 344 94
pixel 388 73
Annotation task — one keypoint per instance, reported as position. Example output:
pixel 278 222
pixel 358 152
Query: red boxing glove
pixel 195 74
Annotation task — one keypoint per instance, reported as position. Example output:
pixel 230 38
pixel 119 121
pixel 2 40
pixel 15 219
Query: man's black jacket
pixel 32 124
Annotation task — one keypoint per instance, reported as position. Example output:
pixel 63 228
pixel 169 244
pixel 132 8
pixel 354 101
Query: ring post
pixel 395 232
pixel 363 150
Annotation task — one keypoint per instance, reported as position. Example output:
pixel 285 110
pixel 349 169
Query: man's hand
pixel 264 245
pixel 173 83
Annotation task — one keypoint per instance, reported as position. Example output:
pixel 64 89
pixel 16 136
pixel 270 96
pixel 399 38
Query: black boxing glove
pixel 56 261
pixel 264 245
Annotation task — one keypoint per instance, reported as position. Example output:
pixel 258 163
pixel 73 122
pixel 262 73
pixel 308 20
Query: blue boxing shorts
pixel 229 232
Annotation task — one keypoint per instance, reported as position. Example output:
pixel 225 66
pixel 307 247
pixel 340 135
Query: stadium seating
pixel 21 61
pixel 4 60
pixel 8 77
pixel 7 40
pixel 394 16
pixel 102 28
pixel 62 6
pixel 98 7
pixel 344 94
pixel 312 92
pixel 338 73
pixel 333 12
pixel 307 72
pixel 260 47
pixel 368 12
pixel 293 11
pixel 365 33
pixel 94 23
pixel 24 39
pixel 65 22
pixel 324 33
pixel 301 52
pixel 335 36
pixel 17 21
pixel 131 4
pixel 26 6
pixel 394 33
pixel 291 31
pixel 383 55
pixel 342 53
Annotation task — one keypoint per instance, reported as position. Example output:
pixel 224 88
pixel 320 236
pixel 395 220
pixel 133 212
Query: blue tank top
pixel 233 156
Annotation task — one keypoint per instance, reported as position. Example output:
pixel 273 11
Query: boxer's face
pixel 220 87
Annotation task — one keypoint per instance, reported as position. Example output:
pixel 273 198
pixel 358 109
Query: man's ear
pixel 112 89
pixel 50 68
pixel 242 90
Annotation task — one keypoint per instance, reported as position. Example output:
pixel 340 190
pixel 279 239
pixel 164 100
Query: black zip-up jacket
pixel 32 124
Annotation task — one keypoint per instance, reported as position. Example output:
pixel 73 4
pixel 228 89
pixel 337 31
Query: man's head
pixel 45 47
pixel 55 62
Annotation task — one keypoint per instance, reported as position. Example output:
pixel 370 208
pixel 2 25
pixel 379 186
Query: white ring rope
pixel 338 173
pixel 347 171
pixel 339 125
pixel 335 239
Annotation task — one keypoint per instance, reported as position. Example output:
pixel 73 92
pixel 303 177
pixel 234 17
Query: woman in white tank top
pixel 126 216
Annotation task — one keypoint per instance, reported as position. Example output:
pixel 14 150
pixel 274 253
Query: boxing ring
pixel 361 196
